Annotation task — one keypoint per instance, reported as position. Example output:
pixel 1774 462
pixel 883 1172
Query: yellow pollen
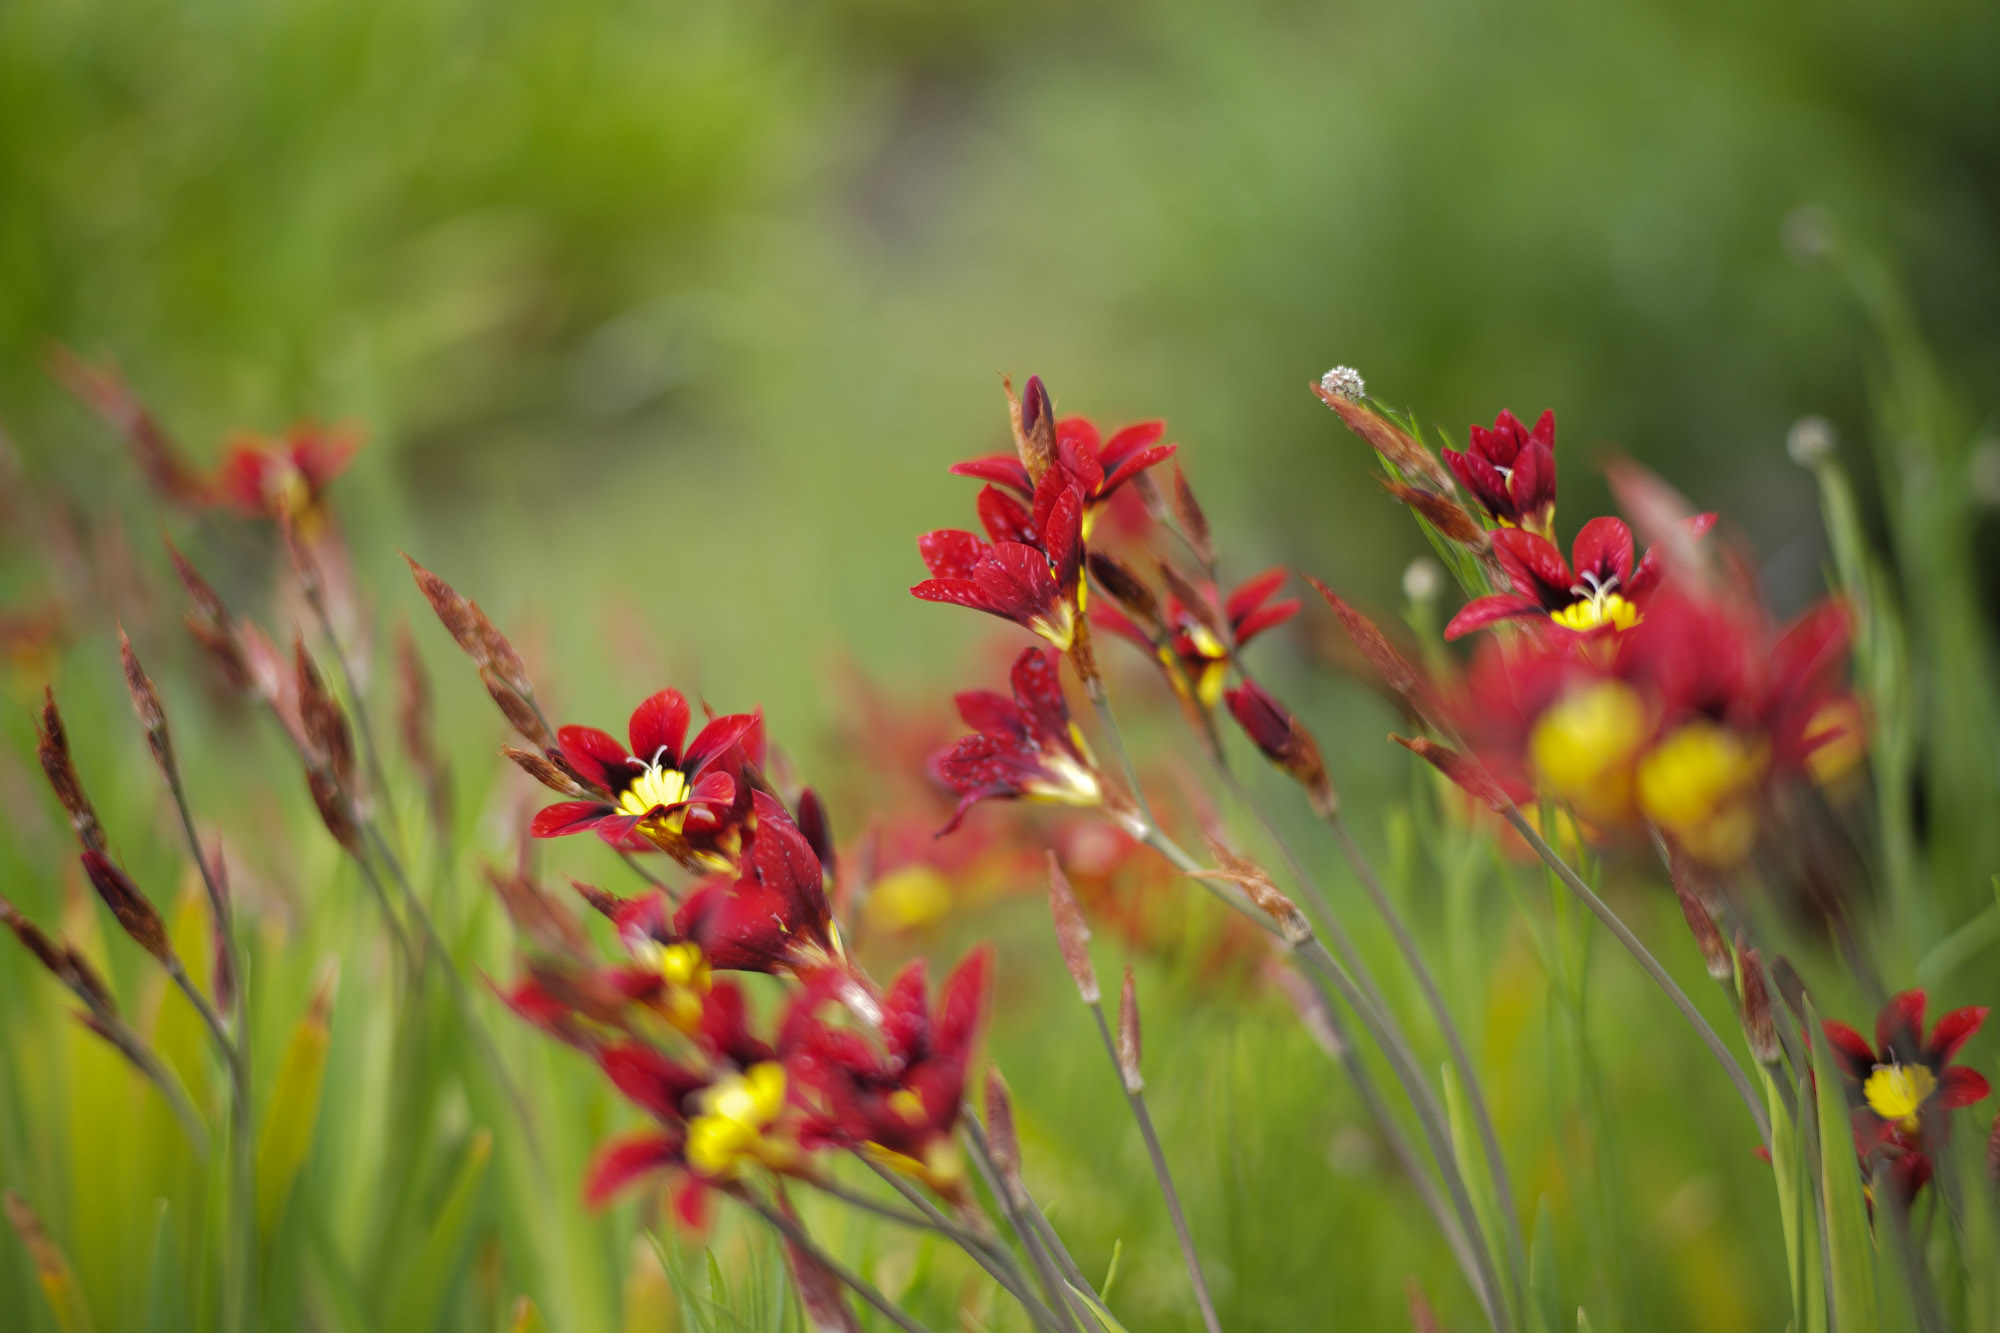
pixel 735 1113
pixel 1599 609
pixel 1898 1092
pixel 904 899
pixel 655 787
pixel 1583 747
pixel 1695 785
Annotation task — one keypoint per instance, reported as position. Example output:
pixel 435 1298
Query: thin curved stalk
pixel 1644 956
pixel 860 1285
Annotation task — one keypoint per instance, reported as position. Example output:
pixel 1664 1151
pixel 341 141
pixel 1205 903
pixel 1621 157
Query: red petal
pixel 597 755
pixel 654 1083
pixel 566 817
pixel 1480 477
pixel 660 723
pixel 1133 466
pixel 1962 1087
pixel 1899 1028
pixel 1005 518
pixel 1266 617
pixel 1037 682
pixel 1953 1031
pixel 1000 469
pixel 1015 583
pixel 962 1003
pixel 1604 549
pixel 1078 433
pixel 961 592
pixel 989 710
pixel 906 1021
pixel 1534 566
pixel 714 788
pixel 1533 485
pixel 1113 621
pixel 1126 443
pixel 1251 593
pixel 716 738
pixel 1544 432
pixel 1062 538
pixel 1850 1049
pixel 1483 611
pixel 623 1161
pixel 950 553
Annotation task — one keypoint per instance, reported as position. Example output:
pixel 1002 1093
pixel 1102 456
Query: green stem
pixel 1645 959
pixel 1144 1118
pixel 861 1286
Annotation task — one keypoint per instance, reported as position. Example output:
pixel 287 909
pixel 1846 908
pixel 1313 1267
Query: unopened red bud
pixel 1002 1139
pixel 1285 741
pixel 1707 937
pixel 1194 599
pixel 817 828
pixel 1758 1025
pixel 537 765
pixel 136 916
pixel 453 611
pixel 1451 519
pixel 1194 523
pixel 1129 1047
pixel 146 703
pixel 606 904
pixel 207 620
pixel 1072 933
pixel 1037 440
pixel 1150 496
pixel 519 713
pixel 500 656
pixel 1409 456
pixel 1123 586
pixel 52 748
pixel 32 938
pixel 336 811
pixel 1468 775
pixel 329 740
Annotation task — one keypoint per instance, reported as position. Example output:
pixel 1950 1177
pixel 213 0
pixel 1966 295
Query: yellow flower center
pixel 1600 608
pixel 1694 785
pixel 907 1105
pixel 656 786
pixel 1583 747
pixel 904 899
pixel 735 1113
pixel 1898 1092
pixel 687 976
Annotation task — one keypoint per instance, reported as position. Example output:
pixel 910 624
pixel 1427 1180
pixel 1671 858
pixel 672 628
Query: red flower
pixel 1026 747
pixel 1905 1073
pixel 901 1098
pixel 1201 656
pixel 1032 571
pixel 1511 471
pixel 687 802
pixel 1097 467
pixel 282 477
pixel 774 917
pixel 1604 589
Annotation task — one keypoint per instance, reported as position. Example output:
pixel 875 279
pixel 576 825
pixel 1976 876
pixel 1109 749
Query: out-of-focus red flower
pixel 1904 1085
pixel 774 917
pixel 1604 589
pixel 898 1101
pixel 1030 573
pixel 1200 654
pixel 1511 471
pixel 283 476
pixel 1098 467
pixel 1026 747
pixel 688 801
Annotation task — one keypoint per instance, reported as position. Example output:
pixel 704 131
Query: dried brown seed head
pixel 136 915
pixel 1072 933
pixel 1468 774
pixel 546 771
pixel 208 622
pixel 606 904
pixel 1410 456
pixel 1000 1136
pixel 52 748
pixel 146 703
pixel 1707 936
pixel 1453 521
pixel 1758 1025
pixel 1289 921
pixel 1194 523
pixel 1129 1045
pixel 516 709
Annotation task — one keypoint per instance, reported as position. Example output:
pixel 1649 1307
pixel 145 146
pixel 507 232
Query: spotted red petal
pixel 950 553
pixel 1000 469
pixel 1005 518
pixel 659 726
pixel 566 817
pixel 1037 681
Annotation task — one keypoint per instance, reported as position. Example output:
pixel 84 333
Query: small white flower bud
pixel 1343 382
pixel 1423 579
pixel 1810 441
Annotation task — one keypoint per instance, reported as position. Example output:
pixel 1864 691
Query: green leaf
pixel 293 1115
pixel 164 1311
pixel 1789 1172
pixel 1544 1284
pixel 417 1294
pixel 1849 1248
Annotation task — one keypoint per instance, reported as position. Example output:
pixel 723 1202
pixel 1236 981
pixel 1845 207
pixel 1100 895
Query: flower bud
pixel 1124 586
pixel 1037 430
pixel 1285 741
pixel 1396 670
pixel 606 904
pixel 136 916
pixel 329 740
pixel 146 703
pixel 1810 441
pixel 52 748
pixel 1001 1138
pixel 1194 523
pixel 546 771
pixel 207 620
pixel 520 714
pixel 1128 1036
pixel 1453 521
pixel 1072 933
pixel 1707 938
pixel 1468 775
pixel 1758 1025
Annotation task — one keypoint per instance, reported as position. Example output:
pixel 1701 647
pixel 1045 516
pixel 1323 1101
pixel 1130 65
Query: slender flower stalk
pixel 1574 882
pixel 797 1235
pixel 1073 934
pixel 988 1254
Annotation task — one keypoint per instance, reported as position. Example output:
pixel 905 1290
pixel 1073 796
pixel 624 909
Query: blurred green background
pixel 664 320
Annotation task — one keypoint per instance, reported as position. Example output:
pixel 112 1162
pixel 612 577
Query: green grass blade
pixel 417 1294
pixel 1850 1249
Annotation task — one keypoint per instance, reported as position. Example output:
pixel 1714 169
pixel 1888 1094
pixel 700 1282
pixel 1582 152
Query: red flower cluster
pixel 1194 655
pixel 1902 1086
pixel 1025 747
pixel 1511 471
pixel 283 477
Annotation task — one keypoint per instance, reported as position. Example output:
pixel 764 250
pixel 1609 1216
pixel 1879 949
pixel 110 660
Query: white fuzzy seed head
pixel 1810 441
pixel 1343 382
